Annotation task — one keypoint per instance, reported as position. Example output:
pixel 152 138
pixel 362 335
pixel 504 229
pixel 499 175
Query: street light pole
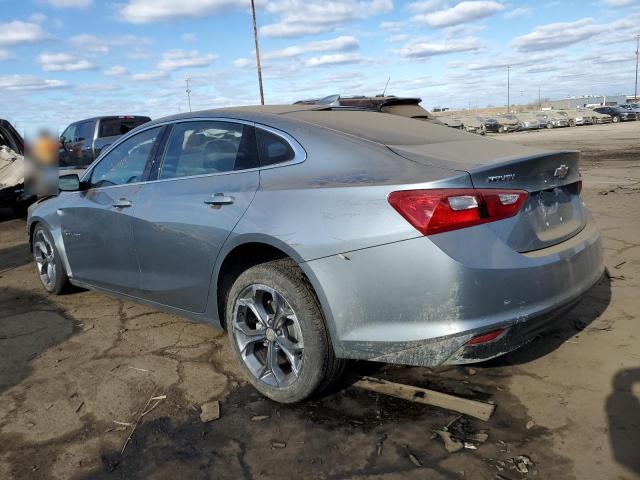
pixel 255 38
pixel 508 88
pixel 635 93
pixel 188 90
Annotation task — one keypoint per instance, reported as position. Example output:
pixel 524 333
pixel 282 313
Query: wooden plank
pixel 473 408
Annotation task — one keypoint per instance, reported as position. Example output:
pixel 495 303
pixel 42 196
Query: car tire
pixel 549 125
pixel 572 123
pixel 286 353
pixel 49 267
pixel 615 119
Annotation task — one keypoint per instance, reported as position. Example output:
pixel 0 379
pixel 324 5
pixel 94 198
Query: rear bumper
pixel 418 303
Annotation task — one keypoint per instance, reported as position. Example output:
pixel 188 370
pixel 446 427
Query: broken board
pixel 473 408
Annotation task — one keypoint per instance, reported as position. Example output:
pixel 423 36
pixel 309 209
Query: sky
pixel 65 60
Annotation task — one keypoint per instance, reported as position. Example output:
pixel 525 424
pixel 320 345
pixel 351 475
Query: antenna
pixel 386 85
pixel 188 90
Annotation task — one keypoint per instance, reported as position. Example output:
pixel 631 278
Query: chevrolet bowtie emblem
pixel 561 171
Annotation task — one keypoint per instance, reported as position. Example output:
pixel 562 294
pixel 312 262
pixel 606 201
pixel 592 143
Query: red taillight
pixel 486 337
pixel 579 186
pixel 442 210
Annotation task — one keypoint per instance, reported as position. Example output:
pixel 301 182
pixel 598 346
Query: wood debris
pixel 473 408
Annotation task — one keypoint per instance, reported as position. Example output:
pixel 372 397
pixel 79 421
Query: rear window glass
pixel 272 148
pixel 112 127
pixel 385 129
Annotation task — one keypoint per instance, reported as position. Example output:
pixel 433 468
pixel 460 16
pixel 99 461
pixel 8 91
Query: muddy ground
pixel 75 369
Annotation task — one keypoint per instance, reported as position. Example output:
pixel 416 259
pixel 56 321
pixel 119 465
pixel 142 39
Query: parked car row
pixel 511 122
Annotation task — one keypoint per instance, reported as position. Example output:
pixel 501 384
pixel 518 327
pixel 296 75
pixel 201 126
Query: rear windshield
pixel 386 129
pixel 112 127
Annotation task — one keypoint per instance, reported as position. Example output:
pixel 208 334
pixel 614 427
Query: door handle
pixel 219 199
pixel 122 203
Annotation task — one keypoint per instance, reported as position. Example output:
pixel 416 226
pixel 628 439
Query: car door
pixel 207 178
pixel 97 223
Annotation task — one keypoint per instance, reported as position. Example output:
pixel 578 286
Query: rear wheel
pixel 277 332
pixel 572 123
pixel 48 263
pixel 615 119
pixel 549 125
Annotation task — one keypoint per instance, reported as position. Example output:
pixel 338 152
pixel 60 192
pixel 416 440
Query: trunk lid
pixel 553 211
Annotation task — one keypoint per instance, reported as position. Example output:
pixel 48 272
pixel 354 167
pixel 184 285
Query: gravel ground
pixel 77 371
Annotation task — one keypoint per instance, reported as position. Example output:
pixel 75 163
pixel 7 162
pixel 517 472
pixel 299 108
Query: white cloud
pixel 17 32
pixel 423 49
pixel 394 27
pixel 149 11
pixel 189 37
pixel 29 82
pixel 334 59
pixel 177 59
pixel 149 76
pixel 242 62
pixel 37 17
pixel 63 62
pixel 339 44
pixel 4 55
pixel 620 3
pixel 298 18
pixel 116 71
pixel 97 44
pixel 70 3
pixel 423 6
pixel 556 35
pixel 463 12
pixel 518 12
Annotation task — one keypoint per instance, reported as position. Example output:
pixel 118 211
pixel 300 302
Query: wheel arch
pixel 247 250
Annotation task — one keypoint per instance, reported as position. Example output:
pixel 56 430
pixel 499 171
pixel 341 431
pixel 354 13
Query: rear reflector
pixel 486 337
pixel 442 210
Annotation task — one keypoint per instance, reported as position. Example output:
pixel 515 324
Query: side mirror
pixel 69 183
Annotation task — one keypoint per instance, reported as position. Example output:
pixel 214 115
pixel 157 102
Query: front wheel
pixel 277 332
pixel 48 262
pixel 615 119
pixel 549 125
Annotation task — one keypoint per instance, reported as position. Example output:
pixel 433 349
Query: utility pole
pixel 255 38
pixel 508 88
pixel 188 90
pixel 539 100
pixel 635 93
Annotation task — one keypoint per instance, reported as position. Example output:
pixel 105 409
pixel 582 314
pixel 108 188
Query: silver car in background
pixel 528 121
pixel 317 234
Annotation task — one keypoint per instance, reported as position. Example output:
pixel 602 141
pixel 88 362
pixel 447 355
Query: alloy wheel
pixel 268 335
pixel 44 255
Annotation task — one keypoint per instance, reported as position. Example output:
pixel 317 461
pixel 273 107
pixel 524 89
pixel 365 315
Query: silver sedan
pixel 315 234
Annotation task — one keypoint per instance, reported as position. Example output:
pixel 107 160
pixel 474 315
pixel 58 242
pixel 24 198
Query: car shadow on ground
pixel 623 412
pixel 7 214
pixel 14 257
pixel 29 326
pixel 565 327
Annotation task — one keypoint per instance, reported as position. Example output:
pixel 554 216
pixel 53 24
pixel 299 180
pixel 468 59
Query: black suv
pixel 81 142
pixel 617 114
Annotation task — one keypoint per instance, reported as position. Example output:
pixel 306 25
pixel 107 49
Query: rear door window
pixel 113 127
pixel 273 148
pixel 209 147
